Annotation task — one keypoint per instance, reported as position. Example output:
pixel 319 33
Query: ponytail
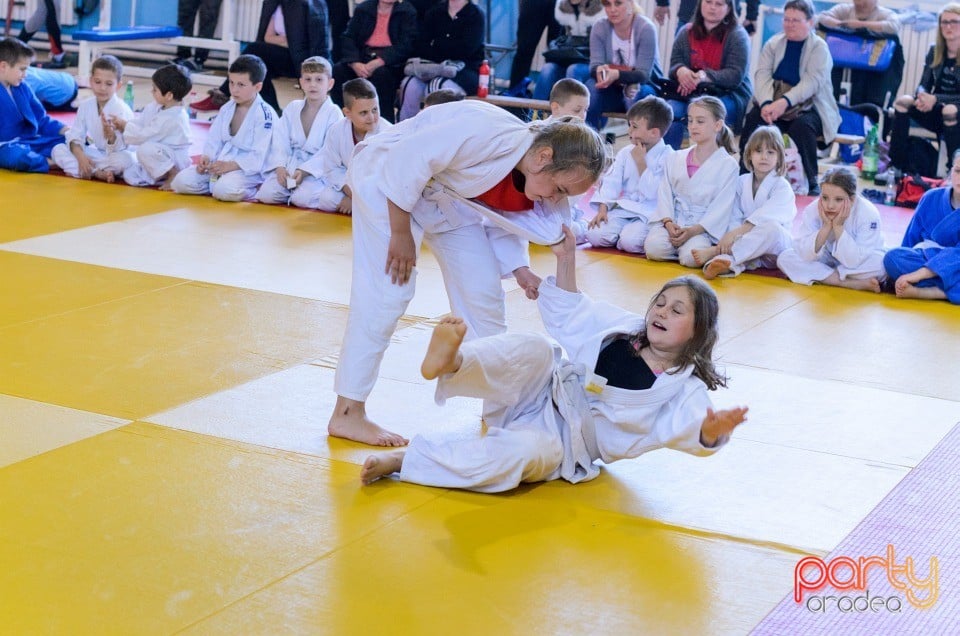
pixel 725 140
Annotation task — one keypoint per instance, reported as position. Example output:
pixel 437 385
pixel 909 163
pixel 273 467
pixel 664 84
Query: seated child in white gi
pixel 571 98
pixel 300 133
pixel 626 199
pixel 93 149
pixel 698 188
pixel 840 241
pixel 232 165
pixel 161 131
pixel 548 420
pixel 762 214
pixel 326 186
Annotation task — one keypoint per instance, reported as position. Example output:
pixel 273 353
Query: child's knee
pixel 950 115
pixel 903 103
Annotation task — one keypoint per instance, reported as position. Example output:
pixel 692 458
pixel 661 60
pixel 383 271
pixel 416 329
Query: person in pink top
pixel 376 44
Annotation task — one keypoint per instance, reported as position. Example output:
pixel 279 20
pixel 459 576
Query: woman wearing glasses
pixel 937 99
pixel 793 88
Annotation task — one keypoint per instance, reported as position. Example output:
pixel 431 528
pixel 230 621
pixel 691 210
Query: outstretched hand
pixel 566 247
pixel 721 423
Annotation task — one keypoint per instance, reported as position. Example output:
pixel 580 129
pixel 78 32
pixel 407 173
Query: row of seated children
pixel 302 159
pixel 692 205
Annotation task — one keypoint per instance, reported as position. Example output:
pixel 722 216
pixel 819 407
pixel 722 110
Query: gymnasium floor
pixel 166 368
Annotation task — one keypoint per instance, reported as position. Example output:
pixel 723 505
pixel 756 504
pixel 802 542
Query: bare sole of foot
pixel 716 267
pixel 868 284
pixel 378 466
pixel 103 175
pixel 441 356
pixel 924 293
pixel 701 256
pixel 353 424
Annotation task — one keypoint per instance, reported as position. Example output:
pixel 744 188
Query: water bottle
pixel 483 88
pixel 128 95
pixel 890 194
pixel 871 155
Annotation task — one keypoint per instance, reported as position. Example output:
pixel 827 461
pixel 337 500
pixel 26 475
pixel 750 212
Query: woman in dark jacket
pixel 452 30
pixel 379 38
pixel 290 31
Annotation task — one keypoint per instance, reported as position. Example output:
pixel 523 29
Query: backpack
pixel 912 187
pixel 852 123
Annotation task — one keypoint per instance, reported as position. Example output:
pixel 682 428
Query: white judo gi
pixel 87 130
pixel 771 211
pixel 162 139
pixel 322 188
pixel 706 199
pixel 291 147
pixel 857 254
pixel 446 155
pixel 250 148
pixel 542 423
pixel 631 199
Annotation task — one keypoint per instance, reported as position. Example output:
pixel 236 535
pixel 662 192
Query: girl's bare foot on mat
pixel 381 465
pixel 443 354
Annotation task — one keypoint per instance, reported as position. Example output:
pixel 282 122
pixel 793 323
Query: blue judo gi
pixel 27 133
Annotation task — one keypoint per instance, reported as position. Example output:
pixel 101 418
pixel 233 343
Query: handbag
pixel 912 187
pixel 669 89
pixel 858 50
pixel 425 70
pixel 568 49
pixel 781 88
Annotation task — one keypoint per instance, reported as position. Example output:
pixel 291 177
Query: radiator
pixel 67 15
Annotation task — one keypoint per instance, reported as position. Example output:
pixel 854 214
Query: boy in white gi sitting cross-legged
pixel 236 152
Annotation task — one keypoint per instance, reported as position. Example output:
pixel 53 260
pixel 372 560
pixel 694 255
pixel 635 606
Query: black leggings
pixel 209 15
pixel 53 29
pixel 279 64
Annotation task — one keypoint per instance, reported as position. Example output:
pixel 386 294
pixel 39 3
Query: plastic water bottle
pixel 871 155
pixel 890 194
pixel 128 95
pixel 483 88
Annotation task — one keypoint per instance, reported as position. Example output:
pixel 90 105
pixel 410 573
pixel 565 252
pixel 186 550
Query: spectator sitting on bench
pixel 936 102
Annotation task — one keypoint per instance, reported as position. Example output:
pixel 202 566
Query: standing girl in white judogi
pixel 471 161
pixel 698 188
pixel 93 149
pixel 622 385
pixel 238 144
pixel 300 133
pixel 762 215
pixel 840 240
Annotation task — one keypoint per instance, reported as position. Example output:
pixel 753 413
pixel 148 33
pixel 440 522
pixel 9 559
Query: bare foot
pixel 381 465
pixel 349 421
pixel 924 293
pixel 701 256
pixel 716 267
pixel 166 186
pixel 863 284
pixel 443 353
pixel 104 175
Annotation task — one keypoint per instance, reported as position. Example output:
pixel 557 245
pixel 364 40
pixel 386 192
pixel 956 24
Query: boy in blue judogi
pixel 27 133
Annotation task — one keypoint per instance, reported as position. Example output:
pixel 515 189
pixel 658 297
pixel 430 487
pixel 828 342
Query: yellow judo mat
pixel 166 370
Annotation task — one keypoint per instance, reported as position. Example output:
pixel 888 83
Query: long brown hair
pixel 574 145
pixel 719 32
pixel 699 351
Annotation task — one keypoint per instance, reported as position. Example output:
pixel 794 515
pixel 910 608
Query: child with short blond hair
pixel 300 134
